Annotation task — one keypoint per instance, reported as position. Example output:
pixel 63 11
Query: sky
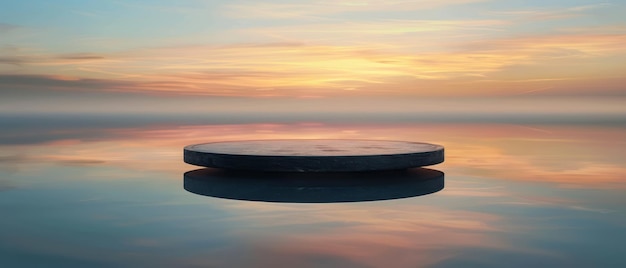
pixel 140 55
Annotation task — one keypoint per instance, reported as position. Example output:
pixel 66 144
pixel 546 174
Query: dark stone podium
pixel 319 155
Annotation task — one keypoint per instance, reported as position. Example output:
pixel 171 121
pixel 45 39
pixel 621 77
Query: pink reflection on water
pixel 381 234
pixel 570 156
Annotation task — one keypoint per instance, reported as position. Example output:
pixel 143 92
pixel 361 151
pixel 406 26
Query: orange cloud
pixel 298 69
pixel 487 54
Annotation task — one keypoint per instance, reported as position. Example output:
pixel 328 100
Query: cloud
pixel 82 57
pixel 15 56
pixel 9 81
pixel 585 44
pixel 358 31
pixel 328 69
pixel 72 87
pixel 4 27
pixel 370 48
pixel 301 69
pixel 13 159
pixel 304 9
pixel 11 60
pixel 376 57
pixel 532 15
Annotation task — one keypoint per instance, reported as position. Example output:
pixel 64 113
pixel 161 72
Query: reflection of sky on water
pixel 514 196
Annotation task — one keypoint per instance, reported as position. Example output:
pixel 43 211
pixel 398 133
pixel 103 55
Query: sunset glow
pixel 549 154
pixel 320 49
pixel 99 99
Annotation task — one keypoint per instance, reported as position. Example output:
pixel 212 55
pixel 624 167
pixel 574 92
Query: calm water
pixel 78 192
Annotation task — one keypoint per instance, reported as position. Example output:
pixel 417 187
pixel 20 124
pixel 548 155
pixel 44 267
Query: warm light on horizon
pixel 564 156
pixel 318 48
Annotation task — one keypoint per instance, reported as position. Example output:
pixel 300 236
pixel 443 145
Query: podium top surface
pixel 320 147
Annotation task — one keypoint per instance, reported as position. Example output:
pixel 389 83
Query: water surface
pixel 74 193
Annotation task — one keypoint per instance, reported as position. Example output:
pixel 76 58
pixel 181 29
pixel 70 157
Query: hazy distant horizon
pixel 417 108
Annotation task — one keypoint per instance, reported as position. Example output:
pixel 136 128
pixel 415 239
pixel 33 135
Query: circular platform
pixel 314 155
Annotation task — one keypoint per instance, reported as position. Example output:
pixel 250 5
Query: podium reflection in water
pixel 313 187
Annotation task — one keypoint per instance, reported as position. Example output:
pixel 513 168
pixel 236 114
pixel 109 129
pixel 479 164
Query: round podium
pixel 319 155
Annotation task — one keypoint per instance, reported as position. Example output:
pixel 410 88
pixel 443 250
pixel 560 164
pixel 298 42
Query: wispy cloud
pixel 82 57
pixel 304 9
pixel 47 59
pixel 298 68
pixel 5 27
pixel 47 83
pixel 11 60
pixel 551 13
pixel 403 48
pixel 380 32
